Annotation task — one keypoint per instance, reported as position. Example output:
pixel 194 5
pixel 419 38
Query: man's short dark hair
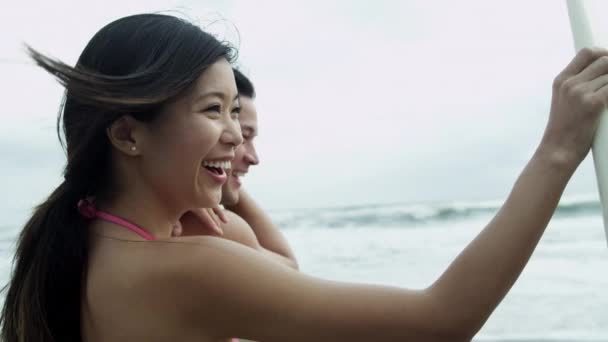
pixel 243 84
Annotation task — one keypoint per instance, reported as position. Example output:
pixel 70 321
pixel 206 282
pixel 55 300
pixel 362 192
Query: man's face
pixel 245 154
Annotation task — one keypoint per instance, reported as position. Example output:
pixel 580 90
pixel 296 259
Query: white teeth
pixel 218 164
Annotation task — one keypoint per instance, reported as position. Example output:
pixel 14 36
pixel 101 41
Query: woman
pixel 150 120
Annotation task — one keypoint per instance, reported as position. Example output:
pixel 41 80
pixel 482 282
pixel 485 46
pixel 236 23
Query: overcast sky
pixel 359 101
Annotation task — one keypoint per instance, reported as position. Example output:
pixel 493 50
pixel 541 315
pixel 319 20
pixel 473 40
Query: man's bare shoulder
pixel 238 230
pixel 234 219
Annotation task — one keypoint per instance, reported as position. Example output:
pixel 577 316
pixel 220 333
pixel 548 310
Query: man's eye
pixel 236 112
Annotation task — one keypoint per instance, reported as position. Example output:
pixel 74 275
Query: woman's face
pixel 188 146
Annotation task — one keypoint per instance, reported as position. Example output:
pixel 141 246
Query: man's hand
pixel 202 221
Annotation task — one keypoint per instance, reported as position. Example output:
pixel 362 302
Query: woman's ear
pixel 124 133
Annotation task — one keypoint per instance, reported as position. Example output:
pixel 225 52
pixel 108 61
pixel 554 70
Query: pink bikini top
pixel 88 210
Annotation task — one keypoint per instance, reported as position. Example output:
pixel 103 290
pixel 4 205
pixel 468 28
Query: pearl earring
pixel 133 148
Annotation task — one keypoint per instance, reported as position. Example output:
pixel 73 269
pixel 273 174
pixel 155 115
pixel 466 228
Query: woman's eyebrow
pixel 219 94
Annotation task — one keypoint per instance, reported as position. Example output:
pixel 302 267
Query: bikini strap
pixel 87 209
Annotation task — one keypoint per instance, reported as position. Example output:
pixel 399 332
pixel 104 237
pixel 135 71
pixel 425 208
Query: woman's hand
pixel 202 221
pixel 580 93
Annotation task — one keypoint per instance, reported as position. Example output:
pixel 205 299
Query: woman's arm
pixel 261 300
pixel 240 293
pixel 482 274
pixel 243 294
pixel 475 283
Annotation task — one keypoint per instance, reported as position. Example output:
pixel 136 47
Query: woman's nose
pixel 232 133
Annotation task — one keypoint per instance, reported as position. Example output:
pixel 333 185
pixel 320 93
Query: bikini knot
pixel 87 209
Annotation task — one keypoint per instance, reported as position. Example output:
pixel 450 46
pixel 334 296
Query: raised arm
pixel 483 273
pixel 267 233
pixel 245 295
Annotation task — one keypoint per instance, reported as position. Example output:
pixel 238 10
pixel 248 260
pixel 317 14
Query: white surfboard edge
pixel 589 30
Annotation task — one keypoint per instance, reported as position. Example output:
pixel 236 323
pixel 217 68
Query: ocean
pixel 562 295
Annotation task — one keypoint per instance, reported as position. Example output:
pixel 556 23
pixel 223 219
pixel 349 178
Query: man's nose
pixel 252 156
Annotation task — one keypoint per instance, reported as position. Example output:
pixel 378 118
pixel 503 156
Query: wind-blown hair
pixel 133 66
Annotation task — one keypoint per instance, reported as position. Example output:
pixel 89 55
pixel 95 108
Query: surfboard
pixel 590 28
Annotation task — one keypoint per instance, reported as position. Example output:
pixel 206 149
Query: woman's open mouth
pixel 217 170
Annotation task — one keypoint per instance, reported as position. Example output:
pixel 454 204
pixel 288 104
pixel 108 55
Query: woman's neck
pixel 143 210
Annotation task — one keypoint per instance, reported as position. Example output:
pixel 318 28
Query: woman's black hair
pixel 133 66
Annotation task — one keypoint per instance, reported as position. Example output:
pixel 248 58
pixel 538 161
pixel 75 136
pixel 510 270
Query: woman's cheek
pixel 208 133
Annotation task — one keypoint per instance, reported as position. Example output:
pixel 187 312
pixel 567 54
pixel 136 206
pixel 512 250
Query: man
pixel 243 221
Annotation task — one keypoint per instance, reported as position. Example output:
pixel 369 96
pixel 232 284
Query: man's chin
pixel 230 197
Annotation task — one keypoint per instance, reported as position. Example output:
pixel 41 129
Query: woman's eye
pixel 214 108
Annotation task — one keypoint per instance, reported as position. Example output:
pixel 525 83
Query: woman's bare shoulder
pixel 226 289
